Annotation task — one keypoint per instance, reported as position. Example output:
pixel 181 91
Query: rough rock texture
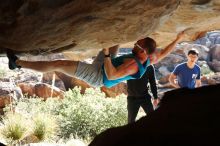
pixel 186 117
pixel 214 58
pixel 51 77
pixel 8 93
pixel 211 39
pixel 41 25
pixel 41 90
pixel 197 16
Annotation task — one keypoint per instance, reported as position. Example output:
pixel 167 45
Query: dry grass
pixel 14 128
pixel 45 127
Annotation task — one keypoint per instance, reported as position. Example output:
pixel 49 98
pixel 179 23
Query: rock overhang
pixel 83 26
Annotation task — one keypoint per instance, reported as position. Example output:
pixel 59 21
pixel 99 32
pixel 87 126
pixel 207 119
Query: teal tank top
pixel 117 62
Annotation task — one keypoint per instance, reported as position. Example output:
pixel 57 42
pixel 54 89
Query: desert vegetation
pixel 80 116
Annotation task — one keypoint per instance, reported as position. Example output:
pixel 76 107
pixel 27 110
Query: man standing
pixel 188 73
pixel 138 94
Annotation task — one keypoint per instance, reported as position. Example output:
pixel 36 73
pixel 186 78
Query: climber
pixel 105 70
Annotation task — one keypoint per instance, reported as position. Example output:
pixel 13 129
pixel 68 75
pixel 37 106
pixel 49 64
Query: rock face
pixel 48 78
pixel 214 58
pixel 41 90
pixel 42 25
pixel 197 16
pixel 85 26
pixel 8 93
pixel 176 122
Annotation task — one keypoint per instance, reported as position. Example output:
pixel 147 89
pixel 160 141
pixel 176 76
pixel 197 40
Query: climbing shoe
pixel 12 60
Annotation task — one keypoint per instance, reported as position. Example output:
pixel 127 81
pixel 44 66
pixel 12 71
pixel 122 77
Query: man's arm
pixel 198 79
pixel 153 85
pixel 152 81
pixel 164 52
pixel 112 73
pixel 198 83
pixel 172 80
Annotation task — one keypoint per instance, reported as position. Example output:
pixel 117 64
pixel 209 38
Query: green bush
pixel 91 113
pixel 82 116
pixel 205 70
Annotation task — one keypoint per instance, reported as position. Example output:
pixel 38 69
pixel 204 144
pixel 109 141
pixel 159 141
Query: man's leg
pixel 132 107
pixel 64 66
pixel 92 74
pixel 147 105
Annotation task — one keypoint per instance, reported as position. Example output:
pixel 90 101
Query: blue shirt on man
pixel 187 76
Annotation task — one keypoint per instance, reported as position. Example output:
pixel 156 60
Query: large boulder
pixel 84 26
pixel 214 37
pixel 210 39
pixel 40 26
pixel 214 58
pixel 8 93
pixel 51 78
pixel 197 16
pixel 185 117
pixel 42 90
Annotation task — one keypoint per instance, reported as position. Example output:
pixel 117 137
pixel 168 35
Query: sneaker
pixel 12 59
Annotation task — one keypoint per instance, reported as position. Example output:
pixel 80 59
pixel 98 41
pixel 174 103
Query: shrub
pixel 205 70
pixel 83 116
pixel 90 114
